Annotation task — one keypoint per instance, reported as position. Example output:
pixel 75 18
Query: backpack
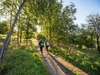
pixel 47 44
pixel 41 44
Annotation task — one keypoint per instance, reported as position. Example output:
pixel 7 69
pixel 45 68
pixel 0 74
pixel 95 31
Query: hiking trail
pixel 56 65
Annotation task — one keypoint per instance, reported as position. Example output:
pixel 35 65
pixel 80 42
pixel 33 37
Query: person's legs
pixel 40 49
pixel 47 48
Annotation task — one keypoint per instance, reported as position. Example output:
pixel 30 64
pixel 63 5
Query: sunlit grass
pixel 87 60
pixel 2 36
pixel 22 60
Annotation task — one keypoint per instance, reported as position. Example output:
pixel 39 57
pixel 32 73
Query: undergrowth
pixel 22 60
pixel 86 60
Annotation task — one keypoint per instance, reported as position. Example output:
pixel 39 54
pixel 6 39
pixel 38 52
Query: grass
pixel 87 60
pixel 23 60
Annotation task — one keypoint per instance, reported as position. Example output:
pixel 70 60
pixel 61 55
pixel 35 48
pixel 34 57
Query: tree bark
pixel 98 45
pixel 21 36
pixel 5 44
pixel 27 32
pixel 18 36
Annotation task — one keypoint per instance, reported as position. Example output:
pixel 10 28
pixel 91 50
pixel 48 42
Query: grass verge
pixel 22 61
pixel 86 60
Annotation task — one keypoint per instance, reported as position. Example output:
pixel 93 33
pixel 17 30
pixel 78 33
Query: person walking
pixel 47 44
pixel 41 45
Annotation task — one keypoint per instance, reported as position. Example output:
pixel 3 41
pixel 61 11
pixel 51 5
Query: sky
pixel 84 8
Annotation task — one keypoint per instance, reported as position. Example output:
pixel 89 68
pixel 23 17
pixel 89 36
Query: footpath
pixel 56 65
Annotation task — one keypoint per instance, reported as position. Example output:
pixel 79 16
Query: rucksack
pixel 42 44
pixel 47 43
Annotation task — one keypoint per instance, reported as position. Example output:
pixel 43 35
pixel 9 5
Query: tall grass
pixel 22 60
pixel 87 60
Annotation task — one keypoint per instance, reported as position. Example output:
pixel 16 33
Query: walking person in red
pixel 41 45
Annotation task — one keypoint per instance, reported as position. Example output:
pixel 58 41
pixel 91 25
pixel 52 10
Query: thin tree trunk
pixel 21 36
pixel 91 41
pixel 5 44
pixel 18 36
pixel 50 31
pixel 27 32
pixel 10 24
pixel 98 45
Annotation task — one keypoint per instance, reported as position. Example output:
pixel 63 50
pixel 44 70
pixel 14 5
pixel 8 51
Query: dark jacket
pixel 41 44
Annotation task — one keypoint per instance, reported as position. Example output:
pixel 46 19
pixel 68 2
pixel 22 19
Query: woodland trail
pixel 56 65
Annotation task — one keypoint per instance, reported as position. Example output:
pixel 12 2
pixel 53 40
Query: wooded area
pixel 47 19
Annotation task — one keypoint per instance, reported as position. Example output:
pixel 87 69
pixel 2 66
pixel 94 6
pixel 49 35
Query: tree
pixel 94 21
pixel 64 24
pixel 6 42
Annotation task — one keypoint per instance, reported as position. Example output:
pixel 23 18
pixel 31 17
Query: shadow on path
pixel 54 66
pixel 64 69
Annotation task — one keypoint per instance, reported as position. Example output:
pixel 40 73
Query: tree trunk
pixel 50 33
pixel 27 32
pixel 5 44
pixel 10 23
pixel 21 36
pixel 50 28
pixel 91 41
pixel 98 45
pixel 18 36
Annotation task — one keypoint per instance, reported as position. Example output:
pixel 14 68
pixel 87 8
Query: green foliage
pixel 84 37
pixel 39 36
pixel 90 44
pixel 63 24
pixel 55 23
pixel 22 61
pixel 4 27
pixel 2 38
pixel 87 60
pixel 29 30
pixel 93 24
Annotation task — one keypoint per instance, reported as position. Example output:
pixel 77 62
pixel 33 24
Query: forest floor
pixel 56 65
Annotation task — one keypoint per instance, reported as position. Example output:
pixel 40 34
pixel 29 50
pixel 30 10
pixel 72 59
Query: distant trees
pixel 83 37
pixel 89 34
pixel 87 38
pixel 94 23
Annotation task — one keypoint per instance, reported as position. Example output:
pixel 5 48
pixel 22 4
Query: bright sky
pixel 84 8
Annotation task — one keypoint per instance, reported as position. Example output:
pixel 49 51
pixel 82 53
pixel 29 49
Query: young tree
pixel 6 42
pixel 64 24
pixel 94 20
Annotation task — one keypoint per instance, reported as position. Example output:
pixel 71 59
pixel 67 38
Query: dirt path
pixel 56 65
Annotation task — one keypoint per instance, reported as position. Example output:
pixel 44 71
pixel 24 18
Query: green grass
pixel 2 37
pixel 23 60
pixel 87 60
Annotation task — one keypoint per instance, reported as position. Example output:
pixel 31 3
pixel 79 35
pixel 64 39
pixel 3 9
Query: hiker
pixel 41 45
pixel 47 44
